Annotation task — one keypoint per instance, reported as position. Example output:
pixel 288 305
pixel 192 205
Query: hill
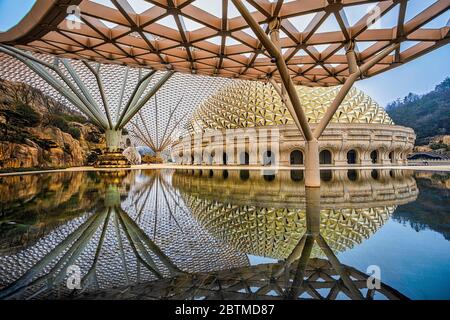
pixel 37 131
pixel 428 114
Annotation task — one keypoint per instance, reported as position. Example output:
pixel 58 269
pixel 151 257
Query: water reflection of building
pixel 297 276
pixel 141 232
pixel 265 215
pixel 143 243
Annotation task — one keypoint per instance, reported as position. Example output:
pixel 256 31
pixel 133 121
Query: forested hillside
pixel 428 115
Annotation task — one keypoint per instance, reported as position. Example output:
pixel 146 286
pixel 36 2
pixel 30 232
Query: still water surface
pixel 192 234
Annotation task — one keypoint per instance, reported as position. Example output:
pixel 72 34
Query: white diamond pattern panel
pixel 166 115
pixel 244 104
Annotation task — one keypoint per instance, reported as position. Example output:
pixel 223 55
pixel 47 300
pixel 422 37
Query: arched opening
pixel 296 157
pixel 391 156
pixel 244 175
pixel 391 173
pixel 352 157
pixel 212 155
pixel 208 158
pixel 374 156
pixel 352 175
pixel 192 159
pixel 326 175
pixel 297 175
pixel 244 158
pixel 268 158
pixel 211 173
pixel 225 174
pixel 224 158
pixel 325 157
pixel 269 176
pixel 374 174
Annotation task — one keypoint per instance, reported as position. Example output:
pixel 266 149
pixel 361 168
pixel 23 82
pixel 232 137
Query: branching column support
pixel 312 168
pixel 355 73
pixel 65 88
pixel 70 85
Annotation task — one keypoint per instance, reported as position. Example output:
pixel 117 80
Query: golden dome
pixel 252 104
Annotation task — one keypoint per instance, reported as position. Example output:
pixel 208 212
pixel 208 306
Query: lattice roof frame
pixel 132 41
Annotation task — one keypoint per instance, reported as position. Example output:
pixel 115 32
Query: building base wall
pixel 340 144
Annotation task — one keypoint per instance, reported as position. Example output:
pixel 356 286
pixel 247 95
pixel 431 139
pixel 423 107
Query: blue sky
pixel 11 11
pixel 418 76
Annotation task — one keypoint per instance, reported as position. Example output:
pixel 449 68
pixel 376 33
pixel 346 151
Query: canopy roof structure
pixel 213 38
pixel 306 42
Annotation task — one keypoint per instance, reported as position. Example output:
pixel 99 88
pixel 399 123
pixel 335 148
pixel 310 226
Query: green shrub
pixel 28 115
pixel 74 132
pixel 436 146
pixel 74 118
pixel 61 123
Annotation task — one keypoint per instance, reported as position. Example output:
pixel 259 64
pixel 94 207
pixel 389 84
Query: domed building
pixel 361 132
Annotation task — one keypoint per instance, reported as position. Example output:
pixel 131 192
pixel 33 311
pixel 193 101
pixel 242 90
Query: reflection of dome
pixel 273 232
pixel 262 225
pixel 253 104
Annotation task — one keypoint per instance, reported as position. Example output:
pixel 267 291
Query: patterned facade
pixel 244 104
pixel 360 126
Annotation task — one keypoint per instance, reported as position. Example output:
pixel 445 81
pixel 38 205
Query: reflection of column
pixel 365 158
pixel 305 246
pixel 340 157
pixel 312 211
pixel 384 157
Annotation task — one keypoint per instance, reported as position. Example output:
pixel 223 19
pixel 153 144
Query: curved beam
pixel 35 24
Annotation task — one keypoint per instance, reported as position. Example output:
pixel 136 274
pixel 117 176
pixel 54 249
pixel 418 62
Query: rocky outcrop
pixel 38 132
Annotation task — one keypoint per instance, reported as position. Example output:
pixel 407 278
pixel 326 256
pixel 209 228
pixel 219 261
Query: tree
pixel 428 115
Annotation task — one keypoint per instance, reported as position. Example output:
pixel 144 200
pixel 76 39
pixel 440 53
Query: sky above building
pixel 419 76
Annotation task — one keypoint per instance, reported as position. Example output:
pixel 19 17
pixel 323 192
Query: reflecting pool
pixel 225 234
